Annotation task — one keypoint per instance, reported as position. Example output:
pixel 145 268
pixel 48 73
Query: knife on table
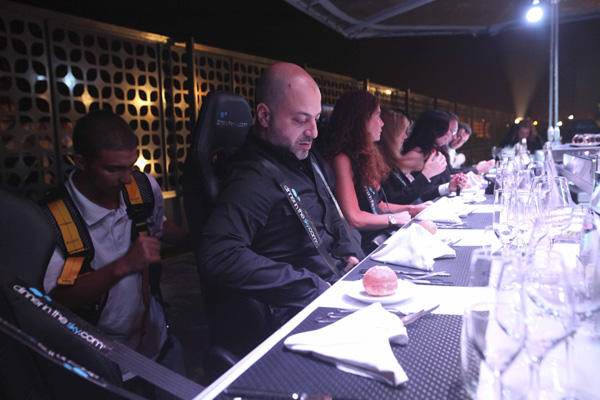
pixel 246 393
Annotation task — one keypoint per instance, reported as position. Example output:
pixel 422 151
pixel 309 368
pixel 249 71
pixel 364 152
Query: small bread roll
pixel 380 281
pixel 430 226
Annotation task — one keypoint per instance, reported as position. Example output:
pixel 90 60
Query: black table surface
pixel 431 360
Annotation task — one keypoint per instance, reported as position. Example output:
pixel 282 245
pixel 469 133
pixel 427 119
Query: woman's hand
pixel 458 180
pixel 435 165
pixel 402 218
pixel 417 208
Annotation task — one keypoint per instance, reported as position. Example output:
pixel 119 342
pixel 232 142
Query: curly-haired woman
pixel 359 168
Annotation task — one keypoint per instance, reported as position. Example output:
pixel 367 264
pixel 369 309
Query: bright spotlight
pixel 518 120
pixel 535 13
pixel 535 122
pixel 571 116
pixel 559 123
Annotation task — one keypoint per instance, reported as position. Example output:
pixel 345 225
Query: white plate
pixel 404 292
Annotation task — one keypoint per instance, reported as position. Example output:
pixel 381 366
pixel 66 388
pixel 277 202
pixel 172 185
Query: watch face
pixel 392 219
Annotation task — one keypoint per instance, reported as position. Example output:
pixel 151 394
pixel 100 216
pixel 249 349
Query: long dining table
pixel 432 356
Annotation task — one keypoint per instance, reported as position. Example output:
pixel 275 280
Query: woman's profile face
pixel 524 132
pixel 374 125
pixel 403 128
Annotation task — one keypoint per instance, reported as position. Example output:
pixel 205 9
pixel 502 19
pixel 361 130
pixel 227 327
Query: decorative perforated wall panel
pixel 55 68
pixel 176 106
pixel 27 151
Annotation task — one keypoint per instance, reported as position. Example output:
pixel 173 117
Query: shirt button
pixel 119 237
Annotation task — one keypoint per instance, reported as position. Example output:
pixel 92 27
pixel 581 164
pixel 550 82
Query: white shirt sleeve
pixel 444 189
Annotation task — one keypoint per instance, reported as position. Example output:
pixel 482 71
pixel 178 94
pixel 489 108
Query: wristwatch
pixel 392 220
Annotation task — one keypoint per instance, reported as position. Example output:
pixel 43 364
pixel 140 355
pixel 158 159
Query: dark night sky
pixel 506 72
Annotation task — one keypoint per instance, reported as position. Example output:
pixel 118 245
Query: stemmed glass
pixel 553 204
pixel 505 216
pixel 493 335
pixel 548 306
pixel 583 275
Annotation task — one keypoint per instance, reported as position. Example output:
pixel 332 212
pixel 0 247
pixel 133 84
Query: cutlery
pixel 245 393
pixel 416 274
pixel 454 226
pixel 341 313
pixel 409 319
pixel 438 283
pixel 441 273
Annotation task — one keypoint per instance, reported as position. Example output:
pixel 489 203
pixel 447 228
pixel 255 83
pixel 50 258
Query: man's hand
pixel 435 165
pixel 144 251
pixel 351 262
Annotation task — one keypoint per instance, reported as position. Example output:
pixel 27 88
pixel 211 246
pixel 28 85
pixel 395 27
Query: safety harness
pixel 75 243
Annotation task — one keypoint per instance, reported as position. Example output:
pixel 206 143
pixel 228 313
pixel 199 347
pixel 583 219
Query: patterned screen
pixel 55 68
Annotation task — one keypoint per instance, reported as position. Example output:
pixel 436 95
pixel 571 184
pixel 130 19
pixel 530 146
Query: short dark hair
pixel 102 130
pixel 467 128
pixel 452 115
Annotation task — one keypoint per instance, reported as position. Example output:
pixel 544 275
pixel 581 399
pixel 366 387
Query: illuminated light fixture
pixel 535 122
pixel 388 92
pixel 535 12
pixel 559 123
pixel 518 120
pixel 571 116
pixel 141 163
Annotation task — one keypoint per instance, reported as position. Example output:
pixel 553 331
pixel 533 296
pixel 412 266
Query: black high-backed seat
pixel 27 242
pixel 222 127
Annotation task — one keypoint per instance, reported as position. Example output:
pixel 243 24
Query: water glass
pixel 492 337
pixel 505 223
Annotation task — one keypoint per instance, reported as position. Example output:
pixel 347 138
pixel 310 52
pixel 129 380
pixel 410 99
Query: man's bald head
pixel 278 80
pixel 288 102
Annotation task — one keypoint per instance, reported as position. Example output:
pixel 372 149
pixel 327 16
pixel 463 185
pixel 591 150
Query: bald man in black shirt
pixel 254 242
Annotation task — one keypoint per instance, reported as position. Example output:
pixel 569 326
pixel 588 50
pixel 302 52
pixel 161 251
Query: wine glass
pixel 553 203
pixel 505 218
pixel 548 306
pixel 492 335
pixel 583 274
pixel 526 216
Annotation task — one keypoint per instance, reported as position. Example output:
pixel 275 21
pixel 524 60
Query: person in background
pixel 254 244
pixel 359 168
pixel 400 186
pixel 462 135
pixel 429 137
pixel 523 130
pixel 105 153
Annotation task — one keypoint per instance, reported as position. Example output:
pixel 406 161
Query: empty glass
pixel 492 337
pixel 553 204
pixel 505 216
pixel 548 306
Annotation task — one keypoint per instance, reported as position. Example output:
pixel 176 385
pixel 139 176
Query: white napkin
pixel 413 247
pixel 440 211
pixel 358 343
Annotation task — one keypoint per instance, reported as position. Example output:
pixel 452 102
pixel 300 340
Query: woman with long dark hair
pixel 430 135
pixel 359 168
pixel 523 130
pixel 401 187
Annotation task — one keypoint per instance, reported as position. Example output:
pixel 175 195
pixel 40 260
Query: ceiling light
pixel 535 12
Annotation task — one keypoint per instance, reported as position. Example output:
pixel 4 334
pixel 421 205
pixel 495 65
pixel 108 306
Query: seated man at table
pixel 460 138
pixel 110 288
pixel 254 243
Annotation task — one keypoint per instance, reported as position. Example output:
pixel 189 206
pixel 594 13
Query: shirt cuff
pixel 444 189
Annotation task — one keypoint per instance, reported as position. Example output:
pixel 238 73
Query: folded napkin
pixel 358 343
pixel 440 211
pixel 413 247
